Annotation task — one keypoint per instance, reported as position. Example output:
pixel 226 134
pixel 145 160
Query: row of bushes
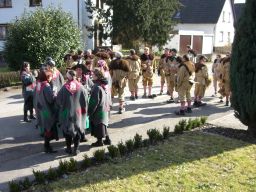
pixel 12 78
pixel 9 79
pixel 187 125
pixel 100 156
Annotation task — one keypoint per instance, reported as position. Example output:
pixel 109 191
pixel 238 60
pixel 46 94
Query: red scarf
pixel 72 86
pixel 41 85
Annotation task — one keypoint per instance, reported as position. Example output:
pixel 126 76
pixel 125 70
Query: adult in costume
pixel 147 72
pixel 184 84
pixel 45 105
pixel 216 73
pixel 119 70
pixel 72 101
pixel 225 80
pixel 201 78
pixel 134 74
pixel 99 108
pixel 161 66
pixel 28 86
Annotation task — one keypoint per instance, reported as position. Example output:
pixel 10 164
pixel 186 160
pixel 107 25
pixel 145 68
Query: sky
pixel 239 1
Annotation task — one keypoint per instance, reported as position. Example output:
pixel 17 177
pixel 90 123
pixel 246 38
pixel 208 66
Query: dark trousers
pixel 28 105
pixel 75 139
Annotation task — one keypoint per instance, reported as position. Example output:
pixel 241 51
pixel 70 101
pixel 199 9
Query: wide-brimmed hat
pixel 81 66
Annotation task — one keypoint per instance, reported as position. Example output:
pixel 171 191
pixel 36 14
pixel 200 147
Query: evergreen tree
pixel 243 68
pixel 133 21
pixel 36 35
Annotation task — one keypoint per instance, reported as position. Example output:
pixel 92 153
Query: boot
pixel 76 144
pixel 132 98
pixel 227 103
pixel 47 147
pixel 121 110
pixel 200 104
pixel 171 100
pixel 32 116
pixel 107 141
pixel 98 143
pixel 189 110
pixel 68 149
pixel 26 117
pixel 195 104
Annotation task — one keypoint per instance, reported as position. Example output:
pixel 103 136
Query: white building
pixel 11 10
pixel 205 25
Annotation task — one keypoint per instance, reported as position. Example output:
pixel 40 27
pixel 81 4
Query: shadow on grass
pixel 189 147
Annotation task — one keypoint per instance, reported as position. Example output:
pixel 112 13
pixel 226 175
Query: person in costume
pixel 184 84
pixel 147 72
pixel 162 64
pixel 191 54
pixel 57 78
pixel 28 86
pixel 45 105
pixel 171 68
pixel 88 56
pixel 201 77
pixel 99 108
pixel 134 74
pixel 72 101
pixel 83 76
pixel 102 65
pixel 119 70
pixel 216 73
pixel 101 55
pixel 225 80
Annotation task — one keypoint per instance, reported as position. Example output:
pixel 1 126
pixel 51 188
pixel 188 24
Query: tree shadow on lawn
pixel 189 147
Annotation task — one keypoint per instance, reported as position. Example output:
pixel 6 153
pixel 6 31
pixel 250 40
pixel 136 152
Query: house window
pixel 34 3
pixel 5 3
pixel 223 16
pixel 221 36
pixel 229 17
pixel 3 31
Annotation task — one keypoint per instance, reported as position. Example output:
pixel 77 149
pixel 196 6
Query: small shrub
pixel 129 145
pixel 122 148
pixel 197 122
pixel 63 167
pixel 113 151
pixel 194 124
pixel 40 177
pixel 99 155
pixel 178 129
pixel 86 161
pixel 137 141
pixel 26 183
pixel 72 165
pixel 14 186
pixel 146 142
pixel 203 119
pixel 166 132
pixel 189 125
pixel 154 136
pixel 183 124
pixel 52 174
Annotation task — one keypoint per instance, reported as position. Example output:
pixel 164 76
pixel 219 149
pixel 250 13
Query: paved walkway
pixel 21 146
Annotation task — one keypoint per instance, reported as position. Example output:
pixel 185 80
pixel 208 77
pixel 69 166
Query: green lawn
pixel 194 161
